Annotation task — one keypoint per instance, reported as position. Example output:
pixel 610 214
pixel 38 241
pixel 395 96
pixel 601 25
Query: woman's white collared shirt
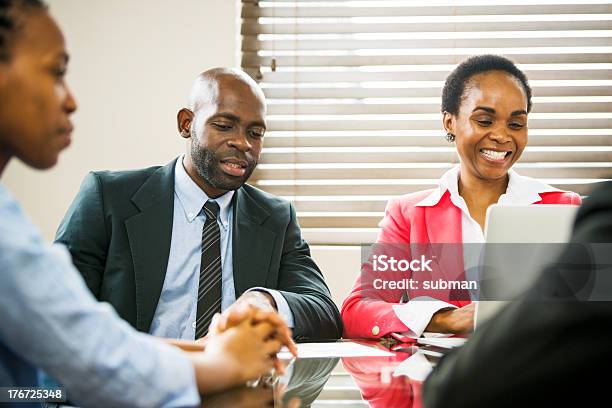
pixel 521 190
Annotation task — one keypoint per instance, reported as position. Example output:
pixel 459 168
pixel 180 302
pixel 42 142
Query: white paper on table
pixel 416 367
pixel 444 342
pixel 334 349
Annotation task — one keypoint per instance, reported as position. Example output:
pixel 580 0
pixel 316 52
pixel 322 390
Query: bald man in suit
pixel 170 246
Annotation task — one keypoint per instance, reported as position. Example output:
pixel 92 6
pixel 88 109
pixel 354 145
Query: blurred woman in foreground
pixel 49 318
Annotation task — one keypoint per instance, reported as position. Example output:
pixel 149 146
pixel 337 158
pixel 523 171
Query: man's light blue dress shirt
pixel 50 320
pixel 175 314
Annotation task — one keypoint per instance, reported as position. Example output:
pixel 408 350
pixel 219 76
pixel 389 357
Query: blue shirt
pixel 50 320
pixel 175 314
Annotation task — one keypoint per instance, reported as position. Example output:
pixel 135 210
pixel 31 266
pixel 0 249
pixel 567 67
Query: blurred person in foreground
pixel 50 320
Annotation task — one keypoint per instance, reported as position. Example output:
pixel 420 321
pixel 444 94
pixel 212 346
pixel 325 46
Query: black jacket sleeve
pixel 316 316
pixel 83 231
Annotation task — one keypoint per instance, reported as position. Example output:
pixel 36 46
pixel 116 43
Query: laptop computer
pixel 546 226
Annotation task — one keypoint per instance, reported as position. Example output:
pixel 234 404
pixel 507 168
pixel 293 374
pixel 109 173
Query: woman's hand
pixel 455 321
pixel 239 312
pixel 243 352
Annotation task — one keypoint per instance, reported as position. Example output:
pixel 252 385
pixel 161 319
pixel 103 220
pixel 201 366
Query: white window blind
pixel 353 91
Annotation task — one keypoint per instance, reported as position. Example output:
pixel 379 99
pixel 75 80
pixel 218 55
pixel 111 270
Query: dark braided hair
pixel 455 84
pixel 9 25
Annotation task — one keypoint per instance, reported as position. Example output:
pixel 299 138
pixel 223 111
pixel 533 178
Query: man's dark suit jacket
pixel 119 227
pixel 551 349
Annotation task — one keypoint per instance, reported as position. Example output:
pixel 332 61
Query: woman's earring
pixel 450 138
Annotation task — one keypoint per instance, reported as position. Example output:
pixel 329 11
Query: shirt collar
pixel 448 182
pixel 192 198
pixel 521 190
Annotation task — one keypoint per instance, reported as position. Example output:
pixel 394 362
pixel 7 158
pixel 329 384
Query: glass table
pixel 349 382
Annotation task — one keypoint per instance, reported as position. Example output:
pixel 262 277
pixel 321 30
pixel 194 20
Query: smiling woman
pixel 485 105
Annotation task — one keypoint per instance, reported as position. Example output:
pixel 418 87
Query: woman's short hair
pixel 9 14
pixel 456 82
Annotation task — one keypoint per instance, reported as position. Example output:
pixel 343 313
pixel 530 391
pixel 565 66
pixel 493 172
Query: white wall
pixel 340 266
pixel 131 68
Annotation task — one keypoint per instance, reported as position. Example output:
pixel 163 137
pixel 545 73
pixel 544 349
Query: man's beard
pixel 206 163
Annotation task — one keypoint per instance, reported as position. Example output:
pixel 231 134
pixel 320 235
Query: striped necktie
pixel 209 289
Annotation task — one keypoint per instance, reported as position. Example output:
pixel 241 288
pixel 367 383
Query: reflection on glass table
pixel 388 381
pixel 301 384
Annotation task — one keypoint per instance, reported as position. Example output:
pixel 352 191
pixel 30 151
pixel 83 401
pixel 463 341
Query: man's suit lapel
pixel 149 234
pixel 251 243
